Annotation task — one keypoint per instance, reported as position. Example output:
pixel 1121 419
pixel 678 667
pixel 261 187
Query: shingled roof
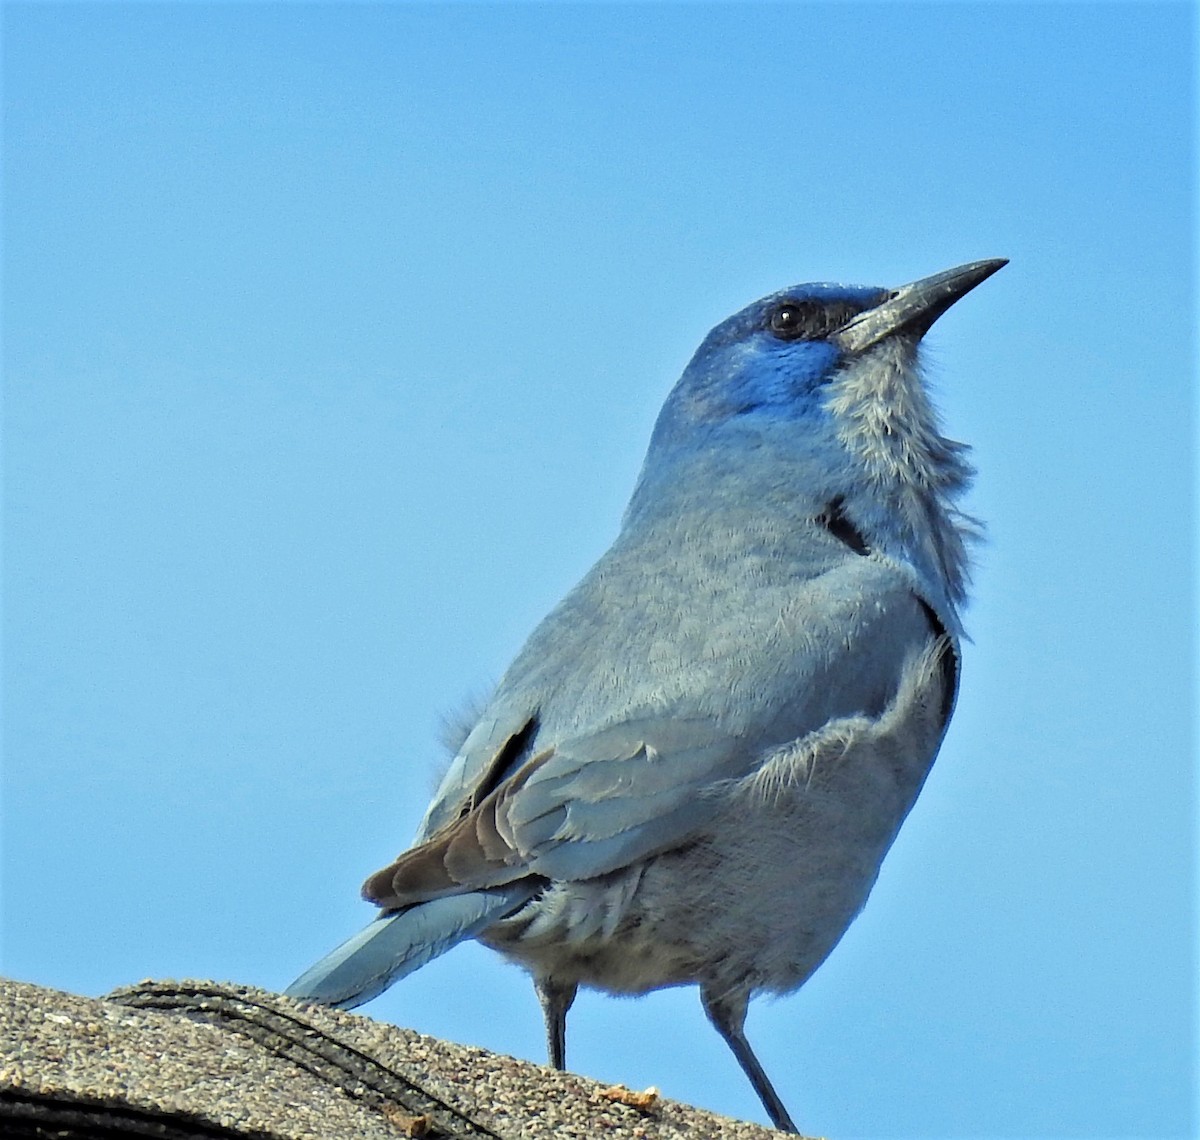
pixel 202 1061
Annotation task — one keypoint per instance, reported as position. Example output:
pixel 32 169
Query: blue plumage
pixel 396 944
pixel 694 767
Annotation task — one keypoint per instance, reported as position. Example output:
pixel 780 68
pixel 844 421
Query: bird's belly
pixel 759 902
pixel 765 915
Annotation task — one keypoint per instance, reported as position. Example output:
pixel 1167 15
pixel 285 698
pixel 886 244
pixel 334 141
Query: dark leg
pixel 728 1015
pixel 556 999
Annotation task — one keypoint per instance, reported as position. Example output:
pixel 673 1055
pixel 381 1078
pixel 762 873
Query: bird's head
pixel 771 363
pixel 798 360
pixel 825 380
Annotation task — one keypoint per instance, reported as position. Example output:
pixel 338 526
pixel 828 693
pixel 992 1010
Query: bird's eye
pixel 791 320
pixel 810 320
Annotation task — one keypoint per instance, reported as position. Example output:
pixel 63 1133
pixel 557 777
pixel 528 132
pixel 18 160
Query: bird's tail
pixel 399 942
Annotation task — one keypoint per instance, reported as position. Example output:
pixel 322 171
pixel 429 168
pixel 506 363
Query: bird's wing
pixel 585 806
pixel 492 751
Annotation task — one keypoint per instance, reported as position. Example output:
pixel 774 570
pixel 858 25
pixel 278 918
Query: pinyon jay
pixel 695 766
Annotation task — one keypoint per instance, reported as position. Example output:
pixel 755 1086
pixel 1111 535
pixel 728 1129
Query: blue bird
pixel 695 766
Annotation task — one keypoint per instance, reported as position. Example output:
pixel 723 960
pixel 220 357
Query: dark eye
pixel 809 320
pixel 792 320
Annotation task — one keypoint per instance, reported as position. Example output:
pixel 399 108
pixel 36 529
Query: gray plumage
pixel 695 766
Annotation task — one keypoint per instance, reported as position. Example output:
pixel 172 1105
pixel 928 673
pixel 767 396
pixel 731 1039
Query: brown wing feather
pixel 470 853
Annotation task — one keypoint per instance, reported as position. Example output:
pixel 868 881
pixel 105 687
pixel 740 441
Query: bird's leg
pixel 727 1012
pixel 556 999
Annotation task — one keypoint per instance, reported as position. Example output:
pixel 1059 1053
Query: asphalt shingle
pixel 201 1061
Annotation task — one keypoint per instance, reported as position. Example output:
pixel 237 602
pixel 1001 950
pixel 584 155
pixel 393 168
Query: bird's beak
pixel 913 308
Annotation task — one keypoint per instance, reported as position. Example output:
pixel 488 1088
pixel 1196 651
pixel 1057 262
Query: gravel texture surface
pixel 61 1049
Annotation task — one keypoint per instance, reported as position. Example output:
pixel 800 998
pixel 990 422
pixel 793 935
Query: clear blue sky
pixel 333 336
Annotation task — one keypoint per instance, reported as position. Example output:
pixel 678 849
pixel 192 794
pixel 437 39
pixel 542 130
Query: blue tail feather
pixel 396 944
